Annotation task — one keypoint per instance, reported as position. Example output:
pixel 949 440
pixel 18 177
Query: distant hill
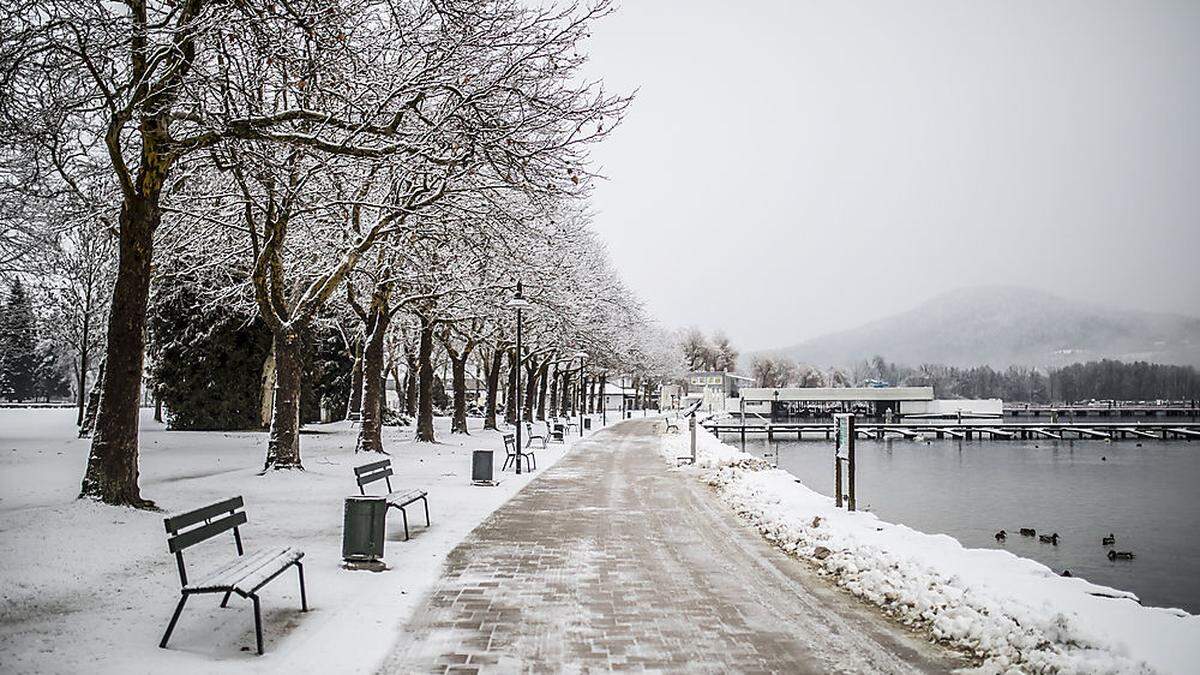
pixel 1002 326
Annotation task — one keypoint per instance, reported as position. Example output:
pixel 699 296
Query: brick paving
pixel 610 561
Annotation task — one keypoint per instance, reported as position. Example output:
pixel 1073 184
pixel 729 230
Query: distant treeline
pixel 1101 380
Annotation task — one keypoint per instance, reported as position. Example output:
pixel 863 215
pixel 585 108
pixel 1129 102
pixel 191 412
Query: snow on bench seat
pixel 245 574
pixel 404 497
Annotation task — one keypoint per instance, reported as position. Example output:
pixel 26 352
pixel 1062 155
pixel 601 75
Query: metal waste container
pixel 482 466
pixel 587 423
pixel 362 528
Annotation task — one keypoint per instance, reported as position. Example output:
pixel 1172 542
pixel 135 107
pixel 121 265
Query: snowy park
pixel 530 336
pixel 89 588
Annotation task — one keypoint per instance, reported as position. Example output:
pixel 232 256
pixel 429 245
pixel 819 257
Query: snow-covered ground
pixel 90 588
pixel 1010 612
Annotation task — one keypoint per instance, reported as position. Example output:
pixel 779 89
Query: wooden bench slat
pixel 373 466
pixel 181 541
pixel 405 497
pixel 176 523
pixel 247 573
pixel 371 478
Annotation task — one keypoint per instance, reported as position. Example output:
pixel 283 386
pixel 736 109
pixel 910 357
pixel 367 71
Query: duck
pixel 1001 535
pixel 1028 531
pixel 1122 555
pixel 1109 540
pixel 1049 538
pixel 1066 573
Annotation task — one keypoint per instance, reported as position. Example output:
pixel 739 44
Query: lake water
pixel 1148 496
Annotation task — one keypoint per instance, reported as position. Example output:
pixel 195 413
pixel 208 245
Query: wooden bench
pixel 399 499
pixel 511 452
pixel 243 575
pixel 530 436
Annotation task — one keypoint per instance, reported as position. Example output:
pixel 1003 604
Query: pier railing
pixel 996 431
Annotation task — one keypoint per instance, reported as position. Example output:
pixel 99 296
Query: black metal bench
pixel 511 452
pixel 530 437
pixel 399 499
pixel 557 430
pixel 243 575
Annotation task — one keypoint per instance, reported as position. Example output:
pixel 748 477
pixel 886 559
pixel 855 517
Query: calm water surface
pixel 1148 496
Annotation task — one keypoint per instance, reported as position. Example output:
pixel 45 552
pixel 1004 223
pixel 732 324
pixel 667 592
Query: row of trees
pixel 1101 380
pixel 384 169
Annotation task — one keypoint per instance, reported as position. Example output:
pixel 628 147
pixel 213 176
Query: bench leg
pixel 426 502
pixel 225 600
pixel 174 618
pixel 257 625
pixel 303 597
pixel 507 459
pixel 404 515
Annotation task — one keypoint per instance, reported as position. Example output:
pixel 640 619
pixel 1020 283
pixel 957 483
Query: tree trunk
pixel 396 379
pixel 410 388
pixel 266 399
pixel 157 408
pixel 603 394
pixel 554 392
pixel 356 379
pixel 513 398
pixel 83 366
pixel 371 375
pixel 531 383
pixel 93 405
pixel 283 447
pixel 112 469
pixel 458 370
pixel 543 382
pixel 493 387
pixel 425 383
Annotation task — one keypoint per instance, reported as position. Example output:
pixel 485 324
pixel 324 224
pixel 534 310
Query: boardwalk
pixel 610 561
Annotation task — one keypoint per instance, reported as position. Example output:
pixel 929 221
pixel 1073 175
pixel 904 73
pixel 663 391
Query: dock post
pixel 850 463
pixel 837 482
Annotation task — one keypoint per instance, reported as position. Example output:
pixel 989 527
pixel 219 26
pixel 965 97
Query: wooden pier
pixel 1165 431
pixel 1119 410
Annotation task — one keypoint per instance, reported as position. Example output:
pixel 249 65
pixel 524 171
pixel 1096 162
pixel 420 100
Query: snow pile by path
pixel 1011 613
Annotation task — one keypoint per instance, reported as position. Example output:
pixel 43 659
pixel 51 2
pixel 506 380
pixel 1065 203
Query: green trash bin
pixel 362 528
pixel 482 465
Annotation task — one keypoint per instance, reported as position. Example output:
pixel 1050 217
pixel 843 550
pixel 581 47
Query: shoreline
pixel 1003 609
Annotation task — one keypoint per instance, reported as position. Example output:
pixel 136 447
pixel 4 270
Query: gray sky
pixel 782 155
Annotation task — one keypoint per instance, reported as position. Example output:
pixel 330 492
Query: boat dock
pixel 1118 410
pixel 1165 431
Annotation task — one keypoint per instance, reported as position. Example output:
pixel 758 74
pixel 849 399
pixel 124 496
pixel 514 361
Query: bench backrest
pixel 510 443
pixel 369 473
pixel 193 527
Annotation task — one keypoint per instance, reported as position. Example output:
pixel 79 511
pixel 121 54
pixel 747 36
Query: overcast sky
pixel 791 168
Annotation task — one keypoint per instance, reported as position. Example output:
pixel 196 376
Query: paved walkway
pixel 610 561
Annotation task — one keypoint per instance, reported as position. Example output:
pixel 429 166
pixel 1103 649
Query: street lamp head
pixel 518 301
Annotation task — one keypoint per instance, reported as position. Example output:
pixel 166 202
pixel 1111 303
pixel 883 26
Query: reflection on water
pixel 1146 496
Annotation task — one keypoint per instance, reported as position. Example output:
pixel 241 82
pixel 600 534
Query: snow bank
pixel 90 588
pixel 1009 612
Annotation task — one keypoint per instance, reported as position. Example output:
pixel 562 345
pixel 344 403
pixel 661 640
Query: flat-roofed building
pixel 782 402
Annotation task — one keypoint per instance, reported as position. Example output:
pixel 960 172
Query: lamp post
pixel 518 303
pixel 582 357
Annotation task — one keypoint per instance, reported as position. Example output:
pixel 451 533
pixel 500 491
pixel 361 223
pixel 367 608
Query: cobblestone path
pixel 610 561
